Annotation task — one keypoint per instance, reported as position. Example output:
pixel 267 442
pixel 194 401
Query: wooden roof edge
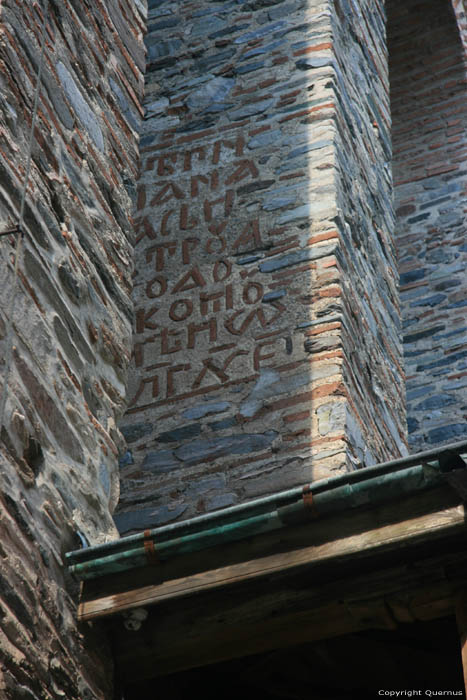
pixel 373 532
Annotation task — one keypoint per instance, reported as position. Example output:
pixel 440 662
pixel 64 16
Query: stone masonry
pixel 71 324
pixel 267 341
pixel 429 110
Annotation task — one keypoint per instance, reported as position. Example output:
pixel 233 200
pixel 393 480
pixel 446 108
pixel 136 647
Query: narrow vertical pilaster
pixel 266 350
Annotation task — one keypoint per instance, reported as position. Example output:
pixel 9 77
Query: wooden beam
pixel 219 626
pixel 371 568
pixel 343 540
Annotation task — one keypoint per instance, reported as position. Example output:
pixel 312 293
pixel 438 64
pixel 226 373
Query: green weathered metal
pixel 264 504
pixel 374 485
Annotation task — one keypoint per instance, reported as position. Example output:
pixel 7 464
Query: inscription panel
pixel 203 315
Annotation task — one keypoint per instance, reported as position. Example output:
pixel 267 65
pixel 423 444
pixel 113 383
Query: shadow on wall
pixel 429 110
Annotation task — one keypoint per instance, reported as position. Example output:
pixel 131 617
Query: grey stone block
pixel 278 203
pixel 310 63
pixel 222 500
pixel 127 110
pixel 135 431
pixel 126 459
pixel 214 91
pixel 267 138
pixel 207 26
pixel 82 110
pixel 104 478
pixel 198 450
pixel 452 432
pixel 425 333
pixel 182 433
pixel 268 48
pixel 223 424
pixel 201 410
pixel 432 300
pixel 296 258
pixel 307 147
pixel 306 211
pixel 160 461
pixel 145 518
pixel 259 33
pixel 249 67
pixel 251 109
pixel 433 403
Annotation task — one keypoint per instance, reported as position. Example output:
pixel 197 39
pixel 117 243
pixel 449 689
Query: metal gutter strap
pixel 308 501
pixel 309 504
pixel 150 548
pixel 134 557
pixel 262 505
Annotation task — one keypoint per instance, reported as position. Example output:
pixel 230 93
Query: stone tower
pixel 267 348
pixel 296 158
pixel 70 331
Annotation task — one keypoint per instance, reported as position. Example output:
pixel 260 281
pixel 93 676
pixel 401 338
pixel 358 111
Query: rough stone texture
pixel 71 325
pixel 429 107
pixel 461 19
pixel 267 350
pixel 371 332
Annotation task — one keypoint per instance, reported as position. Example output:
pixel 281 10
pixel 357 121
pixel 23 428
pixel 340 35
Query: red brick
pixel 311 49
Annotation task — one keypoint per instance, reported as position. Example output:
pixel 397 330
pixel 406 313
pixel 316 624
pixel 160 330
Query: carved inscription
pixel 201 320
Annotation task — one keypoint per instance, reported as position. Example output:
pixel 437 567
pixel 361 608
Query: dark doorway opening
pixel 415 657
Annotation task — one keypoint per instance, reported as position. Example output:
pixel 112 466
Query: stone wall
pixel 71 324
pixel 267 346
pixel 429 108
pixel 373 368
pixel 461 19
